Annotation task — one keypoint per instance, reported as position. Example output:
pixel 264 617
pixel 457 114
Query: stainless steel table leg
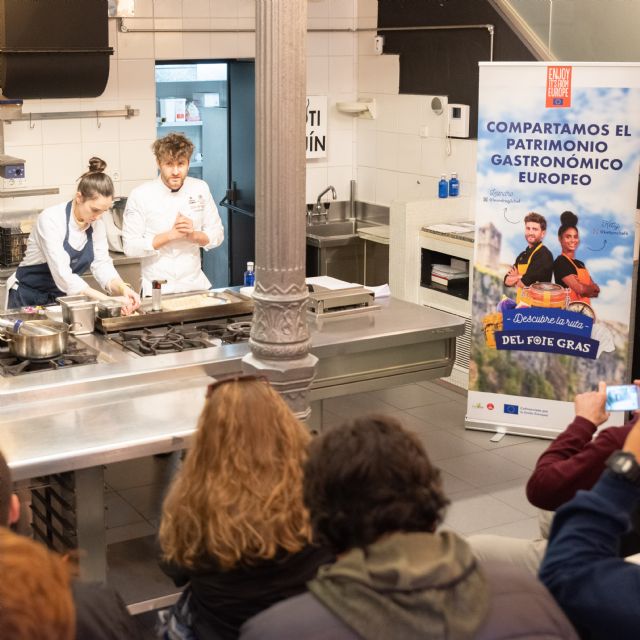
pixel 90 522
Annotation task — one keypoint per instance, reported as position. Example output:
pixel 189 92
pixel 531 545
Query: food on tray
pixel 191 302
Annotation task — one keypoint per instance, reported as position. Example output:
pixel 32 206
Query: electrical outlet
pixel 115 175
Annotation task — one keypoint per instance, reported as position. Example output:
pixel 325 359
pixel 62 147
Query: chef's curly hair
pixel 172 147
pixel 537 218
pixel 367 478
pixel 238 496
pixel 95 182
pixel 568 220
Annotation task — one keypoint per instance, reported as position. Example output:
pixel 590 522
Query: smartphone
pixel 623 397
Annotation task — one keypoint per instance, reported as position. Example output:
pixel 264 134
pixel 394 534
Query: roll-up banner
pixel 558 161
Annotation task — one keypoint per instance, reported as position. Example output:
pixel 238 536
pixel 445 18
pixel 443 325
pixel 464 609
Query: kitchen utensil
pixel 24 327
pixel 79 312
pixel 38 347
pixel 109 308
pixel 117 210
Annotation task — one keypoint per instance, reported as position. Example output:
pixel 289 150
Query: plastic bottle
pixel 443 187
pixel 249 275
pixel 454 185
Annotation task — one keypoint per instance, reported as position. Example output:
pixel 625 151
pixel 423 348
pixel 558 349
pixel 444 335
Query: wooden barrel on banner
pixel 545 294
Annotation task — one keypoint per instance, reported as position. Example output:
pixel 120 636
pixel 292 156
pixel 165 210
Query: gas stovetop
pixel 74 356
pixel 174 339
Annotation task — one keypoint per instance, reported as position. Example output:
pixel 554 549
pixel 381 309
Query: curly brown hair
pixel 172 147
pixel 35 595
pixel 238 496
pixel 532 216
pixel 367 478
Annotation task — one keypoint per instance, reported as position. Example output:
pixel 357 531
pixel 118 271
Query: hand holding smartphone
pixel 623 397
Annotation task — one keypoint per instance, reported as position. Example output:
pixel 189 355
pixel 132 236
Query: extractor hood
pixel 53 49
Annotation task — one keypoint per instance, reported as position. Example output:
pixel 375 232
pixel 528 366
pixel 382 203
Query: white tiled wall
pixel 388 156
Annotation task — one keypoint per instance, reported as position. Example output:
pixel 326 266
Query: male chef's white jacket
pixel 152 209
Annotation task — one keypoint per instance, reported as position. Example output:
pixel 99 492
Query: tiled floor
pixel 484 480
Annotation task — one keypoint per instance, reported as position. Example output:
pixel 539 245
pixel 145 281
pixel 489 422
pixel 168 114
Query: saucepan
pixel 38 347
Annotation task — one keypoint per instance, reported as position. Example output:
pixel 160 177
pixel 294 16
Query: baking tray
pixel 229 303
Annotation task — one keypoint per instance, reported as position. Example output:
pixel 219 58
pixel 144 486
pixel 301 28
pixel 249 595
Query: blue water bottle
pixel 249 275
pixel 454 185
pixel 443 187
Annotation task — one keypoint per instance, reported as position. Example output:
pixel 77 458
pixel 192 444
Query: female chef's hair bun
pixel 568 220
pixel 96 165
pixel 96 182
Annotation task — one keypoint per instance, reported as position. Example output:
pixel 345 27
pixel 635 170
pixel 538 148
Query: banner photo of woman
pixel 558 160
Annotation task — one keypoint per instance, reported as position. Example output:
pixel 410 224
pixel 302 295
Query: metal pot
pixel 38 347
pixel 79 312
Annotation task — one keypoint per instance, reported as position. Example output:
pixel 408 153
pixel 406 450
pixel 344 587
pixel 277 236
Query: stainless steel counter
pixel 127 406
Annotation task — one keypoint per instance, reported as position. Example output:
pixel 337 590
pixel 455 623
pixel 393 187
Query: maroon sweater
pixel 573 461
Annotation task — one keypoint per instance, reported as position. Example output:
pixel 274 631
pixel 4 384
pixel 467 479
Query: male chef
pixel 535 263
pixel 167 221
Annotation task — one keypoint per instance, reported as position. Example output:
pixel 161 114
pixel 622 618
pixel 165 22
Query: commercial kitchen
pixel 132 388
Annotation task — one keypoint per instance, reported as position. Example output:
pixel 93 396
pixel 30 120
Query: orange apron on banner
pixel 583 278
pixel 522 269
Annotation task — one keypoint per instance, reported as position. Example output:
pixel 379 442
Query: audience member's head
pixel 35 595
pixel 9 505
pixel 369 478
pixel 238 495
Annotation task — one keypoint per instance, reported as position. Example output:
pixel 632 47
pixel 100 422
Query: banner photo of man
pixel 558 160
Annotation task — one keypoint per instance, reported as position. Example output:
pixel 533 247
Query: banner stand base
pixel 512 430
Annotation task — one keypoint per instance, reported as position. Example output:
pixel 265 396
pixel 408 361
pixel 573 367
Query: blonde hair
pixel 35 595
pixel 238 496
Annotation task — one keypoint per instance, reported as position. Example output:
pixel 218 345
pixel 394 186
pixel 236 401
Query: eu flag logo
pixel 558 102
pixel 511 408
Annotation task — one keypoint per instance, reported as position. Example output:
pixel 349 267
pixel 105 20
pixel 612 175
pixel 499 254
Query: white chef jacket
pixel 152 209
pixel 45 245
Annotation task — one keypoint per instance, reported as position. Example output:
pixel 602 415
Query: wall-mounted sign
pixel 317 114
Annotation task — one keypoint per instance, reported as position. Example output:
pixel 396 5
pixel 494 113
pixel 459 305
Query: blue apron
pixel 36 285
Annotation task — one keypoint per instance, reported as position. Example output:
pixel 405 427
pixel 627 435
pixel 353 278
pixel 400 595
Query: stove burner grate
pixel 228 333
pixel 170 339
pixel 13 366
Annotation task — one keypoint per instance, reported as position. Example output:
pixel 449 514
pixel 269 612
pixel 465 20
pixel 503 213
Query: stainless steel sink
pixel 339 228
pixel 334 247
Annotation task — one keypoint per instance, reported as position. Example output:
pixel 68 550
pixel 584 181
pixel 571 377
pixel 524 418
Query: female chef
pixel 68 239
pixel 567 271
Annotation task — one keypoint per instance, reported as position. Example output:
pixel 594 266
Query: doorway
pixel 213 104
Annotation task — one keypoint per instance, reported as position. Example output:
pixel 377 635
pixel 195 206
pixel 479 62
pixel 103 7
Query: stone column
pixel 280 336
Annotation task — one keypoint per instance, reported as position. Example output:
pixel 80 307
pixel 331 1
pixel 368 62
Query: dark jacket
pixel 221 601
pixel 102 615
pixel 501 604
pixel 572 462
pixel 575 461
pixel 541 266
pixel 598 591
